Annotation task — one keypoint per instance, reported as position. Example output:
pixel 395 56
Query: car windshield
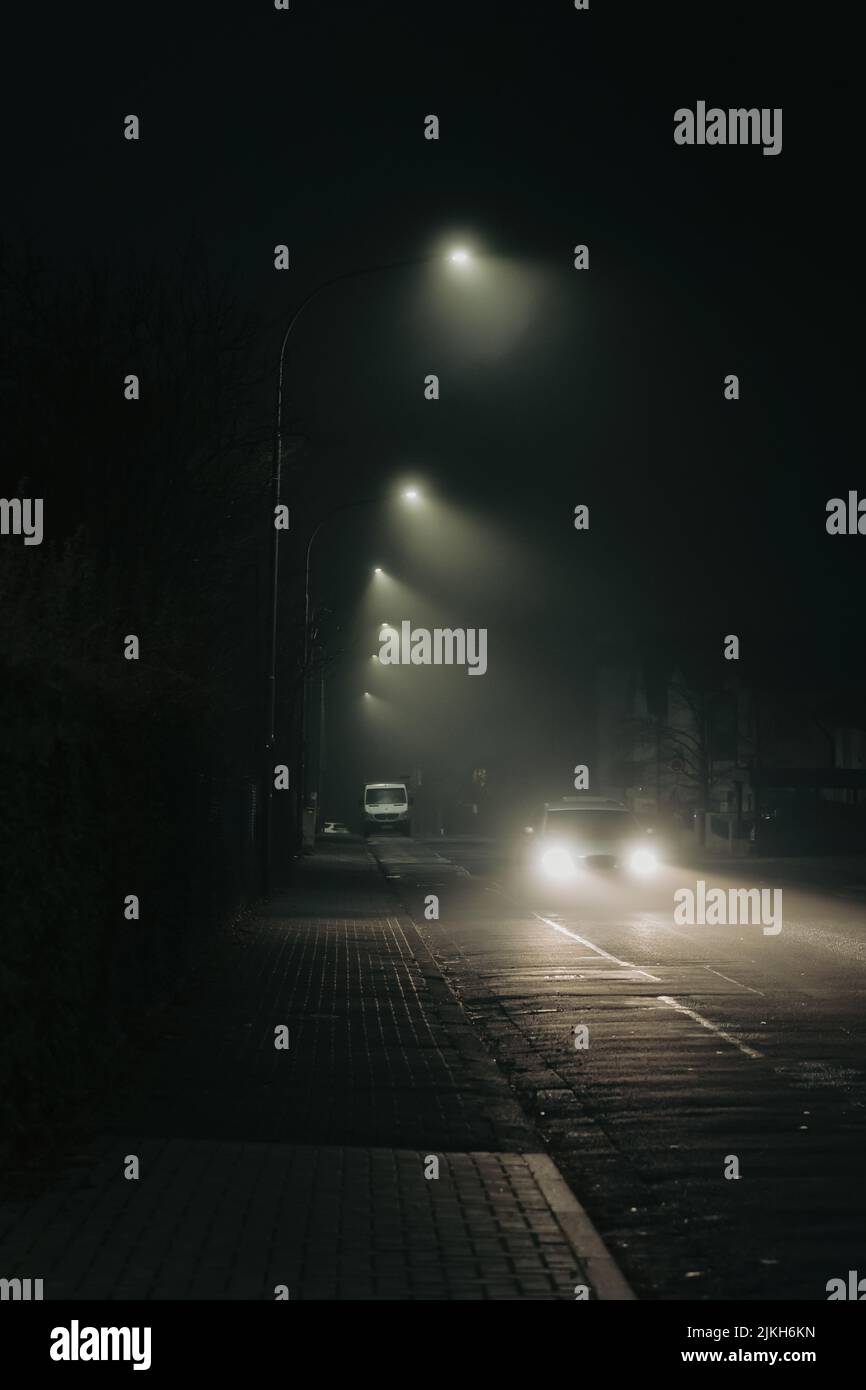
pixel 595 825
pixel 377 796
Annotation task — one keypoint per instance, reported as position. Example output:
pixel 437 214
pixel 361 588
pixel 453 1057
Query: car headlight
pixel 557 863
pixel 643 861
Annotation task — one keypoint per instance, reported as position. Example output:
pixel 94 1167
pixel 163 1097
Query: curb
pixel 606 1280
pixel 605 1277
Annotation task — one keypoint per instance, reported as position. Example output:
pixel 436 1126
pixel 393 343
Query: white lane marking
pixel 662 998
pixel 705 1023
pixel 654 978
pixel 732 981
pixel 626 964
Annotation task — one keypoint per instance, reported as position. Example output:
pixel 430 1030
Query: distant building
pixel 732 767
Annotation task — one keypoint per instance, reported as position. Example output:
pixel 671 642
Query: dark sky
pixel 557 387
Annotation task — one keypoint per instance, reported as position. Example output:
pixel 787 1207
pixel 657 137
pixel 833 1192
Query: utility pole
pixel 302 765
pixel 269 742
pixel 658 766
pixel 321 772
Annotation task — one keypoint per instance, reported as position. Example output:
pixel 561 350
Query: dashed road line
pixel 626 964
pixel 713 1027
pixel 732 981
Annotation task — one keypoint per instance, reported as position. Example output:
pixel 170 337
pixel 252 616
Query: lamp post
pixel 276 499
pixel 458 257
pixel 409 494
pixel 302 763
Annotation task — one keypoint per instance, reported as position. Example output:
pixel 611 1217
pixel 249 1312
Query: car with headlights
pixel 580 833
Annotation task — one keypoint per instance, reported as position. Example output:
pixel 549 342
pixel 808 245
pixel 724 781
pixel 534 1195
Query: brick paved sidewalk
pixel 306 1167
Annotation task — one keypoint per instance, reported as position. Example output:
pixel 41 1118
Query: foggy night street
pixel 772 1068
pixel 432 690
pixel 702 1042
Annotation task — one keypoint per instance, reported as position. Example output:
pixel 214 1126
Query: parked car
pixel 335 827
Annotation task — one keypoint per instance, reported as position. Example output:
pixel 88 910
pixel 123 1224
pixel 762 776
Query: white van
pixel 386 807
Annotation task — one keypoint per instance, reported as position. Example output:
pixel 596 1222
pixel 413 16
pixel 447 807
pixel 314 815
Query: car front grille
pixel 600 861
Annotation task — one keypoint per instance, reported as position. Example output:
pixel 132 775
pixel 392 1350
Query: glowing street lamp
pixel 458 256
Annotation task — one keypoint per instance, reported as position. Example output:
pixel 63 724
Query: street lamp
pixel 335 511
pixel 276 494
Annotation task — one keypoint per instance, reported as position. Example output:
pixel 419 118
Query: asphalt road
pixel 711 1050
